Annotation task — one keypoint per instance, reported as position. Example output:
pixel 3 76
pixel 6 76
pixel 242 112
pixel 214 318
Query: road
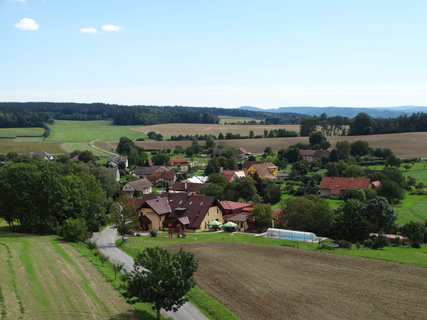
pixel 106 244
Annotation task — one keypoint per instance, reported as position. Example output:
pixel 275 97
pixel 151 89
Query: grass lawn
pixel 412 208
pixel 396 254
pixel 45 278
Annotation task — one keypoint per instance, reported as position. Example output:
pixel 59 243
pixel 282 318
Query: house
pixel 114 161
pixel 184 187
pixel 41 155
pixel 144 172
pixel 243 154
pixel 333 186
pixel 181 163
pixel 157 176
pixel 265 170
pixel 247 164
pixel 142 185
pixel 170 210
pixel 239 213
pixel 114 172
pixel 232 175
pixel 310 155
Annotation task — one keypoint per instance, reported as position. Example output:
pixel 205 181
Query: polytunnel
pixel 290 234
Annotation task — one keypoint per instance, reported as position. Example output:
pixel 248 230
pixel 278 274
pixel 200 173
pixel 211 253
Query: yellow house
pixel 191 213
pixel 266 170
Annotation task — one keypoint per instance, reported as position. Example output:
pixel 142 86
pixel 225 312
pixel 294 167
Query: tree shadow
pixel 133 314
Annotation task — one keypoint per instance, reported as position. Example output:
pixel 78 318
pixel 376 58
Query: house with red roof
pixel 184 187
pixel 310 155
pixel 180 163
pixel 239 213
pixel 243 153
pixel 232 175
pixel 332 187
pixel 191 213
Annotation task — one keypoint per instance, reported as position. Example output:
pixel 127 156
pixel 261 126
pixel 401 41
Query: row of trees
pixel 38 196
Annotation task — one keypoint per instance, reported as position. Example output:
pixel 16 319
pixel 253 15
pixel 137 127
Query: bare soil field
pixel 404 145
pixel 175 129
pixel 263 282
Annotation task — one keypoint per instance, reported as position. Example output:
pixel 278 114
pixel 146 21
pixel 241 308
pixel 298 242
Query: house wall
pixel 147 191
pixel 307 158
pixel 156 220
pixel 273 171
pixel 214 213
pixel 128 188
pixel 325 192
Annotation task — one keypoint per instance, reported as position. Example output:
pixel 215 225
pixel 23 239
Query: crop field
pixel 174 129
pixel 260 282
pixel 404 145
pixel 21 132
pixel 44 278
pixel 412 208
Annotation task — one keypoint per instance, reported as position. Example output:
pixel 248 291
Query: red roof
pixel 228 174
pixel 176 161
pixel 307 153
pixel 235 207
pixel 337 184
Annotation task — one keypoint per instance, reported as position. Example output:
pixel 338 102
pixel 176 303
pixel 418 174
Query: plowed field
pixel 404 145
pixel 260 282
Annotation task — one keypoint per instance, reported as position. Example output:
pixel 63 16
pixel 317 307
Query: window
pixel 180 201
pixel 190 203
pixel 201 203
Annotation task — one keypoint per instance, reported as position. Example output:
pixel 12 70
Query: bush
pixel 74 230
pixel 368 243
pixel 380 242
pixel 153 233
pixel 325 246
pixel 344 244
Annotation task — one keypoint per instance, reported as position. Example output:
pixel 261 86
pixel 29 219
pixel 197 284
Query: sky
pixel 218 53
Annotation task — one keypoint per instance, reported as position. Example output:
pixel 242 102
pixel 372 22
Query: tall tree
pixel 162 278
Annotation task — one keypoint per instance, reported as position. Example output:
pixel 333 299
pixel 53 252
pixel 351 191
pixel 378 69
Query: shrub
pixel 74 230
pixel 91 246
pixel 153 233
pixel 344 244
pixel 380 242
pixel 358 245
pixel 325 246
pixel 368 243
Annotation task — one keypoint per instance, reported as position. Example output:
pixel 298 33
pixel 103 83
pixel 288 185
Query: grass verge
pixel 143 310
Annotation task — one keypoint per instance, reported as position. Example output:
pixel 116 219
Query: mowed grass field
pixel 21 132
pixel 270 282
pixel 44 278
pixel 174 129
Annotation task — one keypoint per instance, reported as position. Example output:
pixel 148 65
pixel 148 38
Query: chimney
pixel 221 170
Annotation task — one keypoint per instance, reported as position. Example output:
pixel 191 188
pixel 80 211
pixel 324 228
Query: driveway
pixel 106 244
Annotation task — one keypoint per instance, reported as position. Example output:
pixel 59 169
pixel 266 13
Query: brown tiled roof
pixel 176 161
pixel 141 184
pixel 247 164
pixel 322 154
pixel 242 150
pixel 337 184
pixel 160 205
pixel 262 169
pixel 195 207
pixel 142 171
pixel 240 217
pixel 307 153
pixel 234 207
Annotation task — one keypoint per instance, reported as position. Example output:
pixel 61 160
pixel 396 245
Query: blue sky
pixel 215 53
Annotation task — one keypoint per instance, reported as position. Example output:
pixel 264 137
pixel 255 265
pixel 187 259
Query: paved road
pixel 106 244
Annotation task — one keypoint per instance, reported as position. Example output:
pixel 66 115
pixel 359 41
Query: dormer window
pixel 190 203
pixel 201 203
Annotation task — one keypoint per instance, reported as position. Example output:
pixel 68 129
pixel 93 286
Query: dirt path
pixel 260 282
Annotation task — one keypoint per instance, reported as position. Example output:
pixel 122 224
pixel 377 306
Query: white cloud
pixel 89 30
pixel 111 27
pixel 27 24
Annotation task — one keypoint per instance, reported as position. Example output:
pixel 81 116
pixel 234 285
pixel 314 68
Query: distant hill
pixel 388 112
